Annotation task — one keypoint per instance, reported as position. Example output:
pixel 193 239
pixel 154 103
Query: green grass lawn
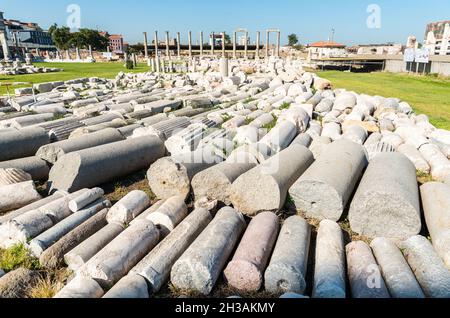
pixel 71 71
pixel 427 95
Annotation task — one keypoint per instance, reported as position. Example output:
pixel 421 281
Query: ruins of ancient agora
pixel 265 179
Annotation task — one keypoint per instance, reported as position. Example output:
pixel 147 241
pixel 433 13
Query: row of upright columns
pixel 258 43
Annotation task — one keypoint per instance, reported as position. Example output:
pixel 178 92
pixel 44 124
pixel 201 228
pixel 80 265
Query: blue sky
pixel 311 20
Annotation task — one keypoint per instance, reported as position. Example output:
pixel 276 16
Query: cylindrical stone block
pixel 98 165
pixel 131 286
pixel 117 258
pixel 156 266
pixel 130 206
pixel 323 191
pixel 17 195
pixel 169 215
pixel 200 266
pixel 81 287
pixel 287 268
pixel 22 143
pixel 246 270
pixel 53 257
pixel 36 167
pixel 169 177
pixel 52 235
pixel 430 271
pixel 53 152
pixel 85 199
pixel 386 203
pixel 215 183
pixel 329 271
pixel 265 187
pixel 77 257
pixel 364 274
pixel 436 205
pixel 396 272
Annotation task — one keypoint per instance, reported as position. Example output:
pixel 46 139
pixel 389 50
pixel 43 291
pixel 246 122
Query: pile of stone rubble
pixel 226 146
pixel 19 68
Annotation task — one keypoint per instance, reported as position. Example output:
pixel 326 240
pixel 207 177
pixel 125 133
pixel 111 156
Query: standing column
pixel 156 44
pixel 258 36
pixel 90 52
pixel 178 44
pixel 145 46
pixel 201 43
pixel 278 43
pixel 190 43
pixel 246 45
pixel 167 45
pixel 234 44
pixel 267 44
pixel 223 44
pixel 213 42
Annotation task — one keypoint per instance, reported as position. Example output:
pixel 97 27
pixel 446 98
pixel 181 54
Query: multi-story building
pixel 437 38
pixel 24 36
pixel 116 44
pixel 326 49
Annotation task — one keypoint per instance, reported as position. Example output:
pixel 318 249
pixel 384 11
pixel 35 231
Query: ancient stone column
pixel 131 286
pixel 278 43
pixel 145 46
pixel 178 45
pixel 396 272
pixel 78 256
pixel 258 39
pixel 246 45
pixel 223 44
pixel 364 274
pixel 246 270
pixel 17 195
pixel 53 257
pixel 81 287
pixel 169 215
pixel 287 268
pixel 156 46
pixel 22 143
pixel 213 44
pixel 5 47
pixel 117 258
pixel 224 67
pixel 52 235
pixel 428 267
pixel 156 266
pixel 190 43
pixel 386 203
pixel 52 152
pixel 199 267
pixel 215 182
pixel 83 200
pixel 436 205
pixel 265 187
pixel 129 207
pixel 94 166
pixel 323 191
pixel 90 52
pixel 169 177
pixel 234 44
pixel 167 45
pixel 329 271
pixel 201 43
pixel 267 43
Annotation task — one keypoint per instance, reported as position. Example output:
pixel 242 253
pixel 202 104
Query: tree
pixel 52 29
pixel 62 38
pixel 227 39
pixel 293 39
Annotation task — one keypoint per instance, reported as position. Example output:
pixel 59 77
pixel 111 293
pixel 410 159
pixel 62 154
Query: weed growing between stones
pixel 17 256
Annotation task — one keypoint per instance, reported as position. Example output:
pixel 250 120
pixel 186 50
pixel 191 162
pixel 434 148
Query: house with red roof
pixel 326 49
